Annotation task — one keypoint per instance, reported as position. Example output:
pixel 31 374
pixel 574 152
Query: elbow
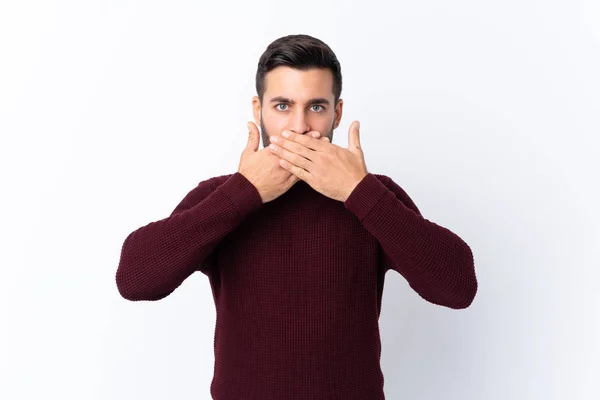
pixel 125 276
pixel 465 286
pixel 125 287
pixel 451 281
pixel 464 293
pixel 458 293
pixel 464 290
pixel 464 297
pixel 130 280
pixel 133 289
pixel 457 299
pixel 131 292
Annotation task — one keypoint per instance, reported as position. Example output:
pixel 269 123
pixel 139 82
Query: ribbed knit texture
pixel 297 282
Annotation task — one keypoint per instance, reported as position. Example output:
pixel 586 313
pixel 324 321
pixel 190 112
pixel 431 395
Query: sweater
pixel 297 282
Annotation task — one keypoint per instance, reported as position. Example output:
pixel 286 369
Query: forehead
pixel 299 85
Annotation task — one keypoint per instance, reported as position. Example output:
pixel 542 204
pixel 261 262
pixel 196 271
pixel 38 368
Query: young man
pixel 296 245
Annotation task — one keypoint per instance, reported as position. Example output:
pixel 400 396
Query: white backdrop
pixel 486 112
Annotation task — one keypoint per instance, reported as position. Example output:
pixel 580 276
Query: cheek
pixel 322 123
pixel 274 122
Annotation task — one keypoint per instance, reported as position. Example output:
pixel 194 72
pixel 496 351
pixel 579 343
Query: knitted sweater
pixel 297 282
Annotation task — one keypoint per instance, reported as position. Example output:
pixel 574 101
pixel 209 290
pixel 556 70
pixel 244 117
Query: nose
pixel 298 122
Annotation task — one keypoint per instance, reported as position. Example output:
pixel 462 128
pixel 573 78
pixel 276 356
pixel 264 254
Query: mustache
pixel 265 133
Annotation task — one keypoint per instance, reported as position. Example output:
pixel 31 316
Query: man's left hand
pixel 329 169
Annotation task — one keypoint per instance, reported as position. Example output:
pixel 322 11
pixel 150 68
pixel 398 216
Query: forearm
pixel 436 262
pixel 157 258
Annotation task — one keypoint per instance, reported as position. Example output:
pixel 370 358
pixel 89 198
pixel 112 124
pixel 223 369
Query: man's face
pixel 297 101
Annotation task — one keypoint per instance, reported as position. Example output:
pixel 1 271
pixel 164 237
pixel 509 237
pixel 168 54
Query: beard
pixel 265 135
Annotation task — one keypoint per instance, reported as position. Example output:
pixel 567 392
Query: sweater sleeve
pixel 158 257
pixel 436 262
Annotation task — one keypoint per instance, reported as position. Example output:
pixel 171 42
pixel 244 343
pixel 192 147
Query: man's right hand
pixel 262 169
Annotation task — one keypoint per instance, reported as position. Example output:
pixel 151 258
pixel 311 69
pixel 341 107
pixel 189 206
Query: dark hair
pixel 301 52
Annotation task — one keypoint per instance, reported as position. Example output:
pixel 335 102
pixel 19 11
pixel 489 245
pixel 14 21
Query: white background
pixel 486 112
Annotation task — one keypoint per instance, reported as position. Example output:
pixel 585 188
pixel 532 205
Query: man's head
pixel 298 86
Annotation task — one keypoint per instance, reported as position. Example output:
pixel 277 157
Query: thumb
pixel 253 137
pixel 354 136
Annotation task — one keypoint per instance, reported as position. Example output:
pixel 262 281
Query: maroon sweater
pixel 297 282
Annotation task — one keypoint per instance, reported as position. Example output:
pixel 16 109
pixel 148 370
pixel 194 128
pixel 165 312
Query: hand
pixel 262 167
pixel 329 169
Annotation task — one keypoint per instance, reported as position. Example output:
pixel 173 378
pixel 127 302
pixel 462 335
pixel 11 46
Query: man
pixel 296 245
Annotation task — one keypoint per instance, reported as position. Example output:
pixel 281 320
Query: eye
pixel 317 105
pixel 280 104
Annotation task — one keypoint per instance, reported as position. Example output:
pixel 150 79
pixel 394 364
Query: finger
pixel 306 140
pixel 292 178
pixel 301 173
pixel 317 134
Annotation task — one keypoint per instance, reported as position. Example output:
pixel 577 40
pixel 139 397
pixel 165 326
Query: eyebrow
pixel 317 100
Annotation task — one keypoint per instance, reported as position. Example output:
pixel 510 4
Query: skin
pixel 296 102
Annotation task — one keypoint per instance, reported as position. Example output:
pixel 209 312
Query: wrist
pixel 353 186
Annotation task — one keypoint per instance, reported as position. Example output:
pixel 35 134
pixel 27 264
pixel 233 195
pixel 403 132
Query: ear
pixel 256 110
pixel 338 113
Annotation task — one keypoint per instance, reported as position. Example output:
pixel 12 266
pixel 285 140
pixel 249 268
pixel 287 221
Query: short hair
pixel 301 52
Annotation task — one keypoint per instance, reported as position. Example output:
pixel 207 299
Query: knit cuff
pixel 242 193
pixel 365 195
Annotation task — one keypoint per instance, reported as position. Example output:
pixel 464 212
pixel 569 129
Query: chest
pixel 303 247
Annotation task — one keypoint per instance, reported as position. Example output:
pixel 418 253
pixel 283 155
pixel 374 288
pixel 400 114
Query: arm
pixel 158 257
pixel 437 263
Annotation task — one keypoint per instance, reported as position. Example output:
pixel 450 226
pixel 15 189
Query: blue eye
pixel 320 107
